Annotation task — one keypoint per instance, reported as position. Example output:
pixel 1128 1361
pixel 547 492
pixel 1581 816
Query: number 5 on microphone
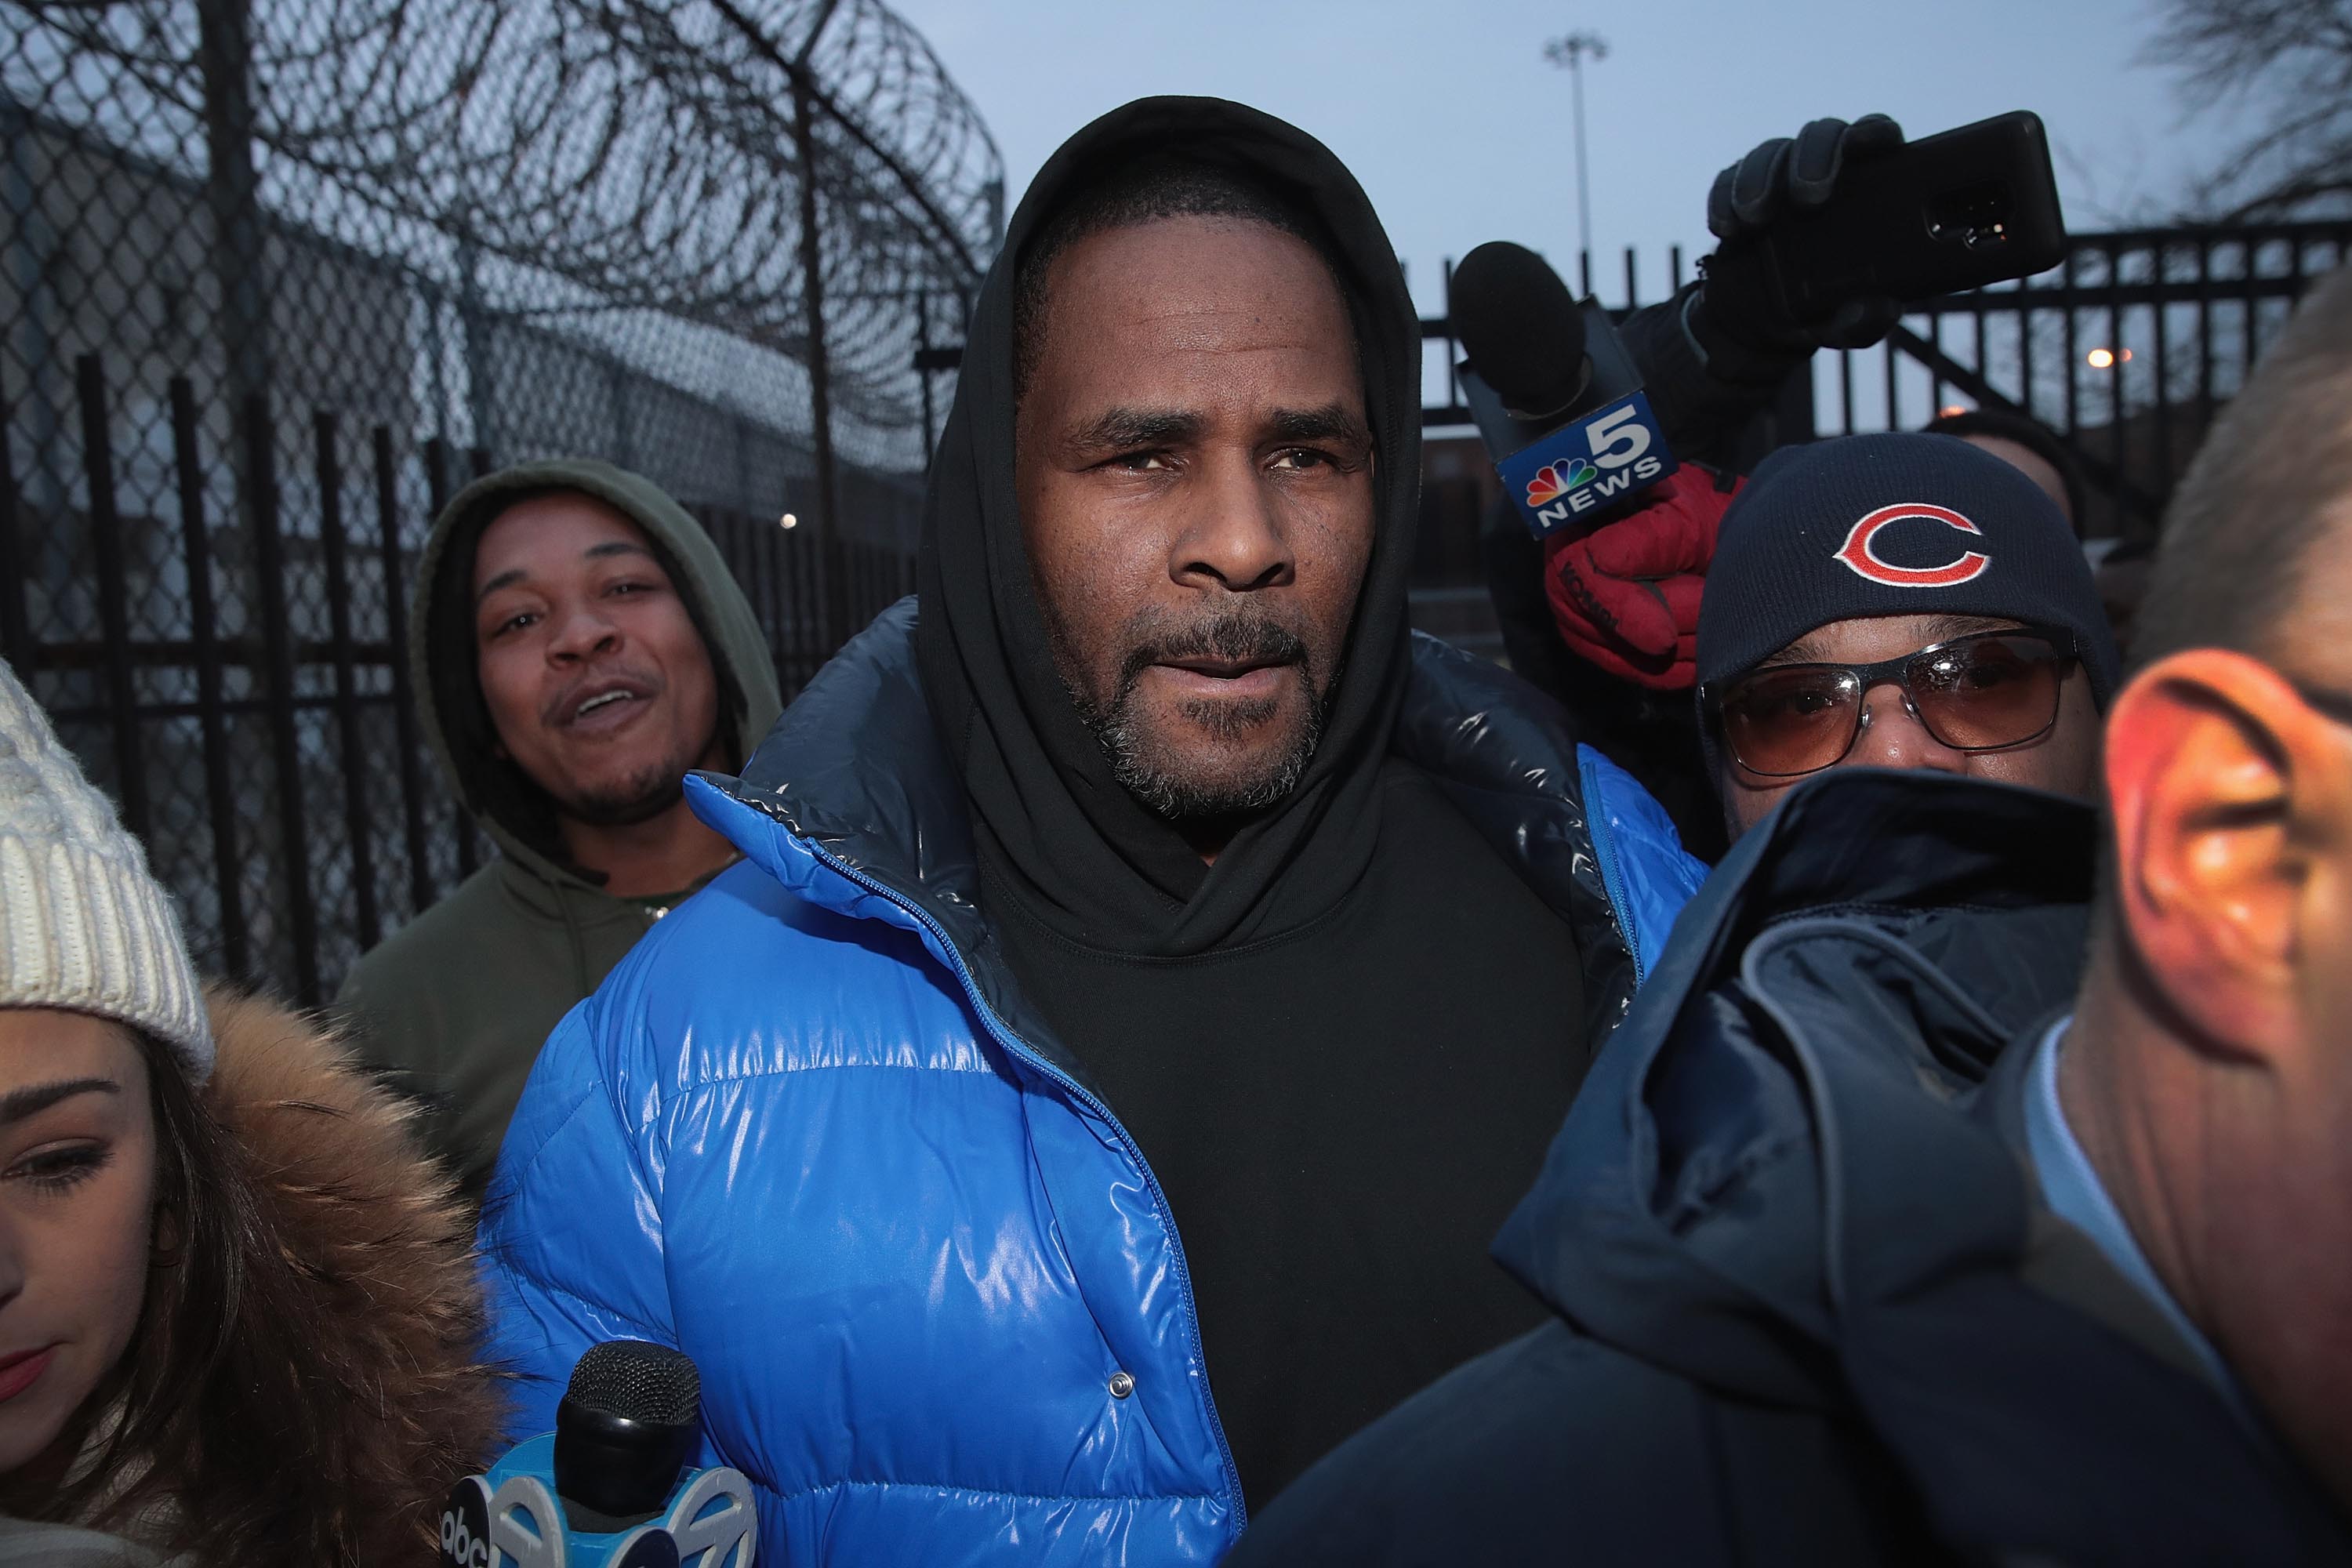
pixel 1618 437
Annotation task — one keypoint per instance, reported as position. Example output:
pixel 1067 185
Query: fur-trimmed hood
pixel 377 1230
pixel 358 1313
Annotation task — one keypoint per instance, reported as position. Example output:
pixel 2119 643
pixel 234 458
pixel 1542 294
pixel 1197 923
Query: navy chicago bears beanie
pixel 1894 524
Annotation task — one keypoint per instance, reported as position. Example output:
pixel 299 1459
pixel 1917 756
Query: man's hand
pixel 1625 596
pixel 1739 305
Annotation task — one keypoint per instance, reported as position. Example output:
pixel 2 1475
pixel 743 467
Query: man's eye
pixel 1140 462
pixel 1301 457
pixel 514 623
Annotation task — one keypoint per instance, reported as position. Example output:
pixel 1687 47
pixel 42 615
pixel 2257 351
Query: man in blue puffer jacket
pixel 1152 869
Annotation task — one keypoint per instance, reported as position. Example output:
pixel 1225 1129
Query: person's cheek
pixel 90 1255
pixel 1755 803
pixel 1338 555
pixel 130 1227
pixel 504 690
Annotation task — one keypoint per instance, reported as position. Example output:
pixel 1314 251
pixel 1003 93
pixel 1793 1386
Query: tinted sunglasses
pixel 1981 693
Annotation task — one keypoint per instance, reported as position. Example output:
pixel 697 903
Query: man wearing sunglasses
pixel 1898 601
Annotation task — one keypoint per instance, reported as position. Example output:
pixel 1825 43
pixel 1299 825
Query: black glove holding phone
pixel 1825 234
pixel 1783 177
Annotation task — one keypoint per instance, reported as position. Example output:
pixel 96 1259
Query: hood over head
pixel 1093 861
pixel 441 660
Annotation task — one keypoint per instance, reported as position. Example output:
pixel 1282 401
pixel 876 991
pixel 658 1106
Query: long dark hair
pixel 213 1428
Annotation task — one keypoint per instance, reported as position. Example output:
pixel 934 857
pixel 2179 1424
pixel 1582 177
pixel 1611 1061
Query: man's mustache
pixel 1238 638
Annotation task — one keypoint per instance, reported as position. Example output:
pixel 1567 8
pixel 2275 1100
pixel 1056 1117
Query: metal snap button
pixel 1121 1386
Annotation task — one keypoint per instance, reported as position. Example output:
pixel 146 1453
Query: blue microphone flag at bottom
pixel 510 1518
pixel 1587 464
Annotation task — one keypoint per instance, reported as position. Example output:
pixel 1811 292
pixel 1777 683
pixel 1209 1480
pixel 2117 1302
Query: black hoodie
pixel 1343 1047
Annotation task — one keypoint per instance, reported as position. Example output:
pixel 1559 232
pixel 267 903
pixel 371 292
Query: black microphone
pixel 1522 330
pixel 1557 398
pixel 623 1432
pixel 610 1487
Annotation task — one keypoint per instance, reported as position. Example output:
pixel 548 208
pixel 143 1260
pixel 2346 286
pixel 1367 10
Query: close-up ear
pixel 2224 788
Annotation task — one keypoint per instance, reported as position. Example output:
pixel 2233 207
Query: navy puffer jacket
pixel 1810 1306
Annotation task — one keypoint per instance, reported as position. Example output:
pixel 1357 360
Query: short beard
pixel 639 798
pixel 1144 768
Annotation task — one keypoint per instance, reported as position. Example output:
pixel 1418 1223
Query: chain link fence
pixel 276 277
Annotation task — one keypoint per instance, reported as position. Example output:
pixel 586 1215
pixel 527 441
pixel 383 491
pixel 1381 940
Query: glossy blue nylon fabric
pixel 908 1257
pixel 888 1232
pixel 1649 873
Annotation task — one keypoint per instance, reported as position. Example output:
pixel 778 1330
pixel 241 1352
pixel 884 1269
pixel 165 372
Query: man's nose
pixel 1233 535
pixel 1893 737
pixel 582 631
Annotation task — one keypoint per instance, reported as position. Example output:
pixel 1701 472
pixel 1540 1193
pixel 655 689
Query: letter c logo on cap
pixel 1858 552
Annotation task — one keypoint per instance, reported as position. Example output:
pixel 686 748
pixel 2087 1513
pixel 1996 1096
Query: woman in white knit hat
pixel 238 1321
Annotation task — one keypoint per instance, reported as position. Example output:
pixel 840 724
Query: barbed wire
pixel 632 169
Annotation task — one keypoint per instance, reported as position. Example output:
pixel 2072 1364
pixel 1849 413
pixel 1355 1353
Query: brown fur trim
pixel 379 1307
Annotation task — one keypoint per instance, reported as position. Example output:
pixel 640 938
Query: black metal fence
pixel 276 277
pixel 235 675
pixel 2128 350
pixel 2125 350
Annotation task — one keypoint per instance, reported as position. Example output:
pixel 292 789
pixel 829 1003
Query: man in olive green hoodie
pixel 576 646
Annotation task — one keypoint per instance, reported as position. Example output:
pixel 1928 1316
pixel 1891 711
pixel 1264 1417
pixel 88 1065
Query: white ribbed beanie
pixel 83 925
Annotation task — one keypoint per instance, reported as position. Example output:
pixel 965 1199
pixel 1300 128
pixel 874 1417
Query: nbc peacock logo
pixel 1556 479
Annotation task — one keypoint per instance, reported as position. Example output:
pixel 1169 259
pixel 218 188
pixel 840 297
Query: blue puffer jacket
pixel 809 1133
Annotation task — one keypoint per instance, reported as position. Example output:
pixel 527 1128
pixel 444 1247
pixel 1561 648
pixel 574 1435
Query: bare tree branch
pixel 2289 63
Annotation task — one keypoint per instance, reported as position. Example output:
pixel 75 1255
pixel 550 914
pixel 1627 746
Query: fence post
pixel 403 697
pixel 32 248
pixel 277 649
pixel 744 500
pixel 2025 386
pixel 769 595
pixel 15 625
pixel 2204 336
pixel 2069 300
pixel 436 488
pixel 356 825
pixel 2250 272
pixel 1893 392
pixel 474 329
pixel 232 190
pixel 2160 411
pixel 113 608
pixel 923 367
pixel 813 295
pixel 2118 435
pixel 195 542
pixel 1453 345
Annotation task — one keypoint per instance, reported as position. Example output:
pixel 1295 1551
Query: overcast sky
pixel 1460 130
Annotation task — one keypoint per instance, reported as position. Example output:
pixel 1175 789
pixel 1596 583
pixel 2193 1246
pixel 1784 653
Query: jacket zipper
pixel 1012 1043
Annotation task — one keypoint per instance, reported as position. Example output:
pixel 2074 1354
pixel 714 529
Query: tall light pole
pixel 1570 52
